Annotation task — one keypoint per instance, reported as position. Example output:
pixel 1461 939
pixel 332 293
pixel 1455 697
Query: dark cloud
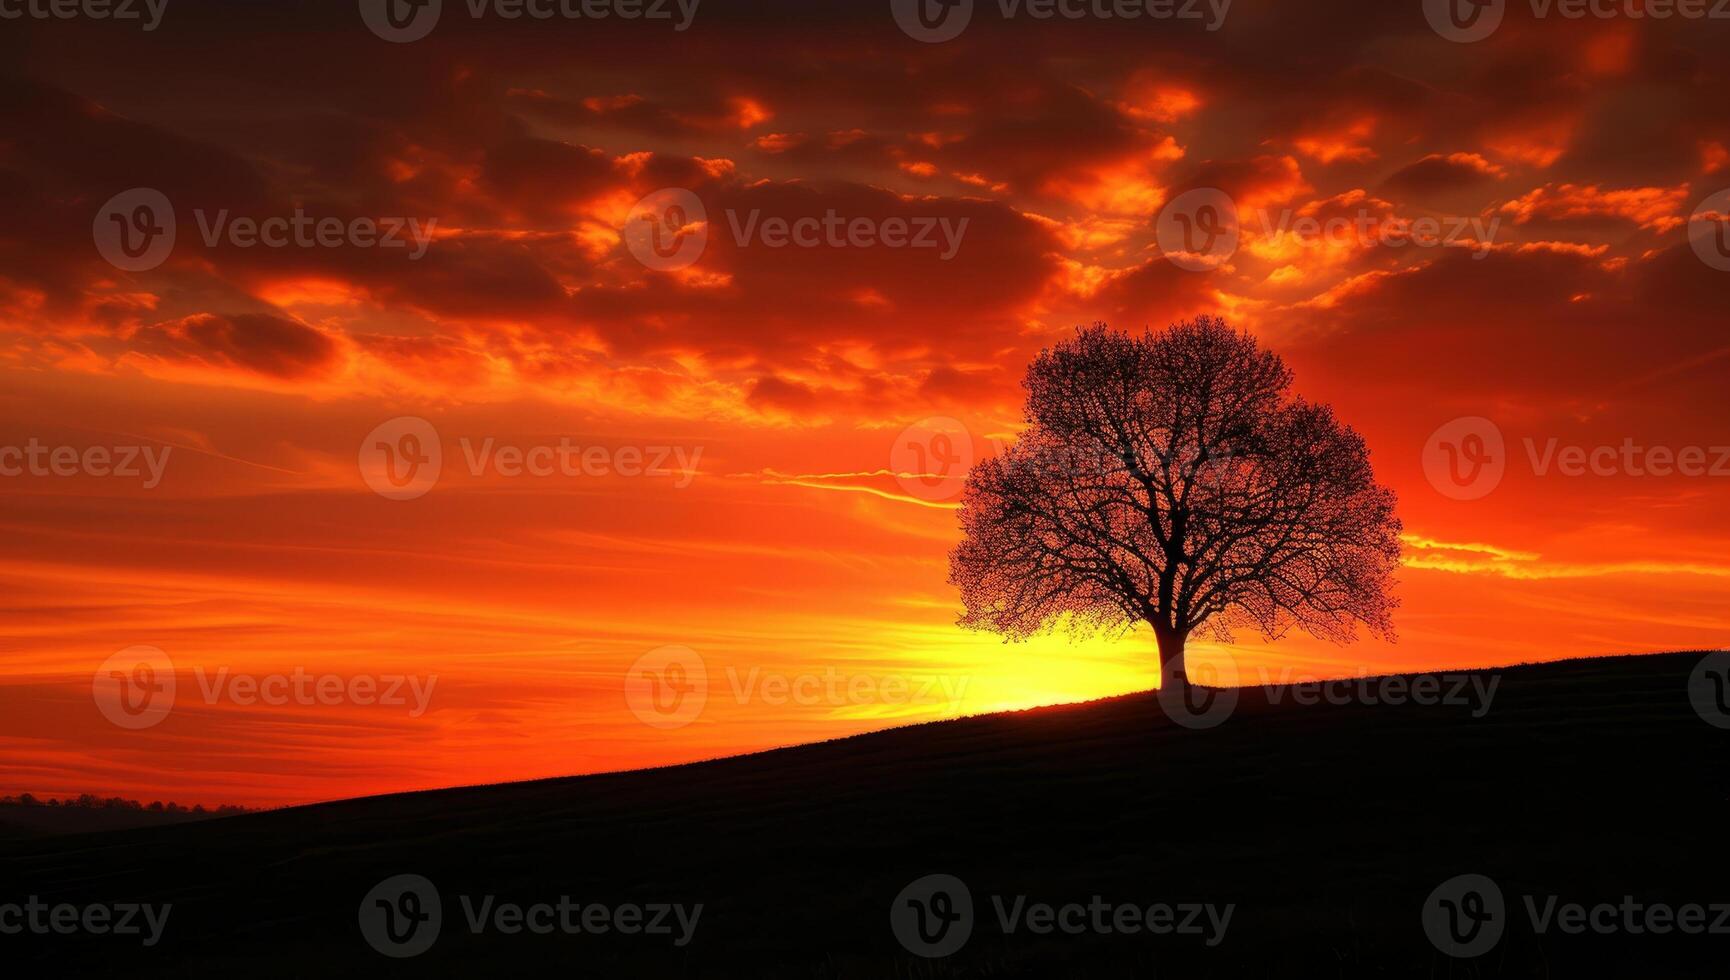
pixel 1442 173
pixel 266 345
pixel 1056 141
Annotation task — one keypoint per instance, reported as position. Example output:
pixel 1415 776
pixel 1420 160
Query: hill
pixel 1324 827
pixel 18 821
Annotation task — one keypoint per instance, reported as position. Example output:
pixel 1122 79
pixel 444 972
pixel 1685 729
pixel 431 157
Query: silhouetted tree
pixel 1173 479
pixel 90 801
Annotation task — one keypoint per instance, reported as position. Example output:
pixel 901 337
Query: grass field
pixel 1324 827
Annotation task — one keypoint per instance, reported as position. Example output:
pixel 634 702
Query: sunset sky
pixel 1572 155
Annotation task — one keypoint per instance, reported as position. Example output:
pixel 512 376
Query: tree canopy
pixel 1173 478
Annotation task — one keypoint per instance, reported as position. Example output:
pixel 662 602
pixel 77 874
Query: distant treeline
pixel 90 801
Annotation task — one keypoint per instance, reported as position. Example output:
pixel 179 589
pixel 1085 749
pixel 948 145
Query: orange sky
pixel 788 376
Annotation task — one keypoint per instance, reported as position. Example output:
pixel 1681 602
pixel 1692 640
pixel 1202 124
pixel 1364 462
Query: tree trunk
pixel 1171 667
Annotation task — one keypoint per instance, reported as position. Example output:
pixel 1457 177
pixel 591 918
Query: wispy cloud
pixel 1460 558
